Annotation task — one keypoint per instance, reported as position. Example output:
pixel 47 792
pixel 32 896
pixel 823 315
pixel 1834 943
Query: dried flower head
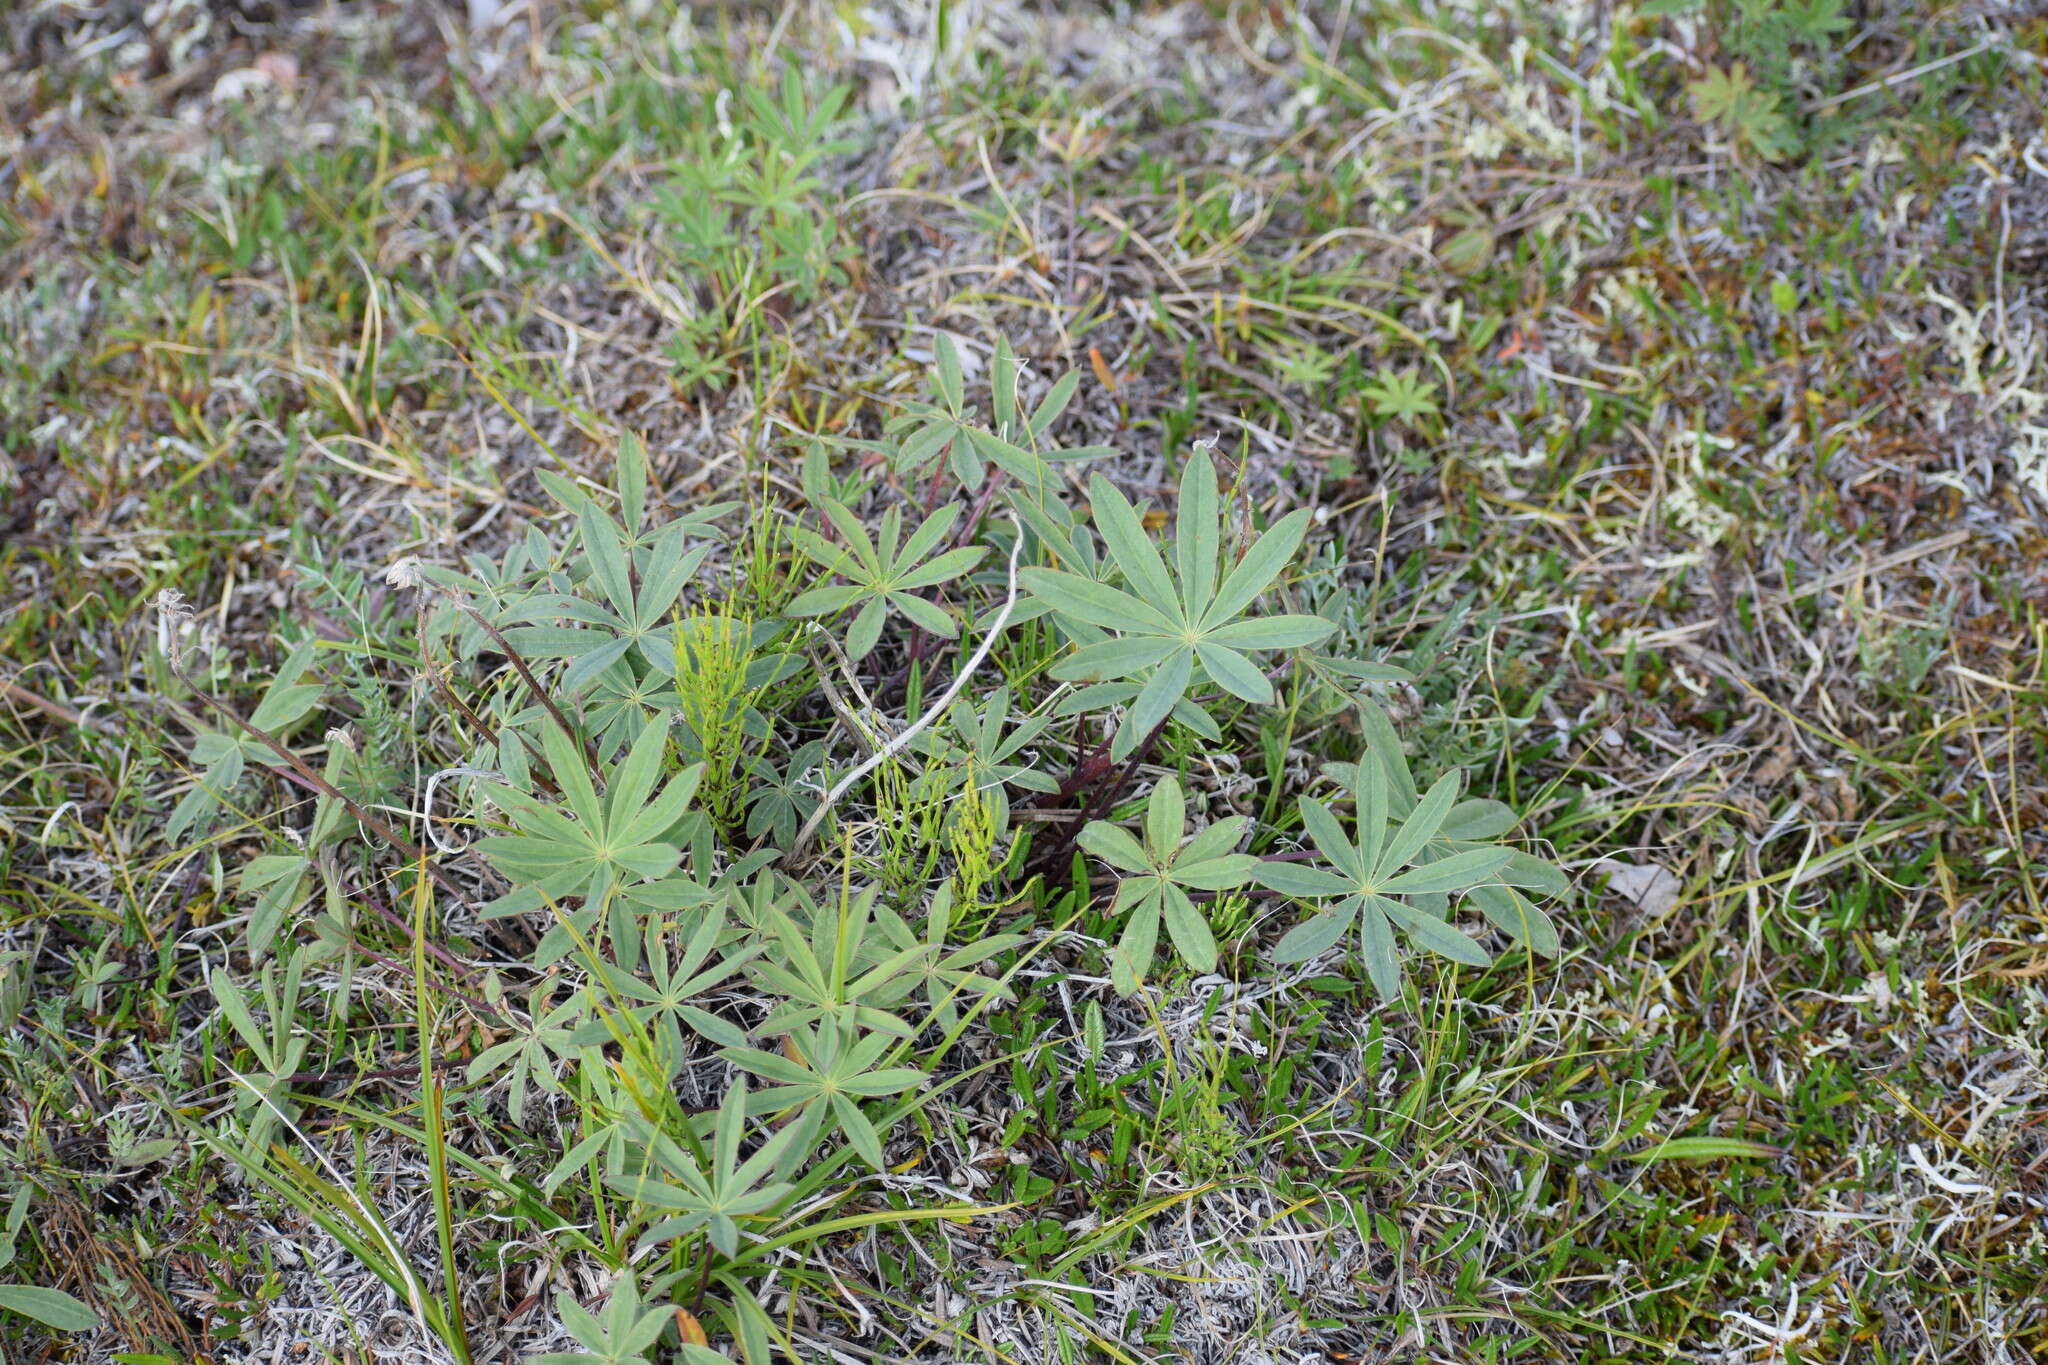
pixel 173 613
pixel 406 573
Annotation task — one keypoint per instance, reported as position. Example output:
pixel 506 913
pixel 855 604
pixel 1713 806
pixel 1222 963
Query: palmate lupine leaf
pixel 633 612
pixel 717 1197
pixel 636 575
pixel 1507 900
pixel 783 798
pixel 1175 619
pixel 885 573
pixel 625 1333
pixel 828 965
pixel 978 743
pixel 834 1068
pixel 1159 873
pixel 947 431
pixel 671 972
pixel 589 844
pixel 945 974
pixel 1382 876
pixel 536 1051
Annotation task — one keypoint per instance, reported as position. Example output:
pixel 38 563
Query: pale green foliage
pixel 624 1333
pixel 714 1197
pixel 645 716
pixel 1160 871
pixel 835 1067
pixel 51 1307
pixel 1176 622
pixel 536 1048
pixel 946 433
pixel 631 616
pixel 589 844
pixel 261 1097
pixel 981 742
pixel 1402 395
pixel 286 705
pixel 886 572
pixel 1730 98
pixel 1403 857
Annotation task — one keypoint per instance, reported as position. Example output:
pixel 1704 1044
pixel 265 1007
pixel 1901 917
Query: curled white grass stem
pixel 932 713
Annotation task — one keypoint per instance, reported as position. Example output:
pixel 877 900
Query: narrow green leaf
pixel 51 1307
pixel 1130 545
pixel 1165 687
pixel 1433 934
pixel 1165 819
pixel 1272 632
pixel 1376 946
pixel 1235 674
pixel 1116 658
pixel 1314 936
pixel 1197 533
pixel 1455 873
pixel 1256 571
pixel 1420 826
pixel 1098 604
pixel 1114 845
pixel 607 558
pixel 1706 1149
pixel 1189 931
pixel 1293 879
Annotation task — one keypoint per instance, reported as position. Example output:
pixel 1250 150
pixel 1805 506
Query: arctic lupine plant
pixel 651 748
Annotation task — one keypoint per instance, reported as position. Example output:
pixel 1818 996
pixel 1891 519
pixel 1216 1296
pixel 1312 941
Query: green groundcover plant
pixel 787 857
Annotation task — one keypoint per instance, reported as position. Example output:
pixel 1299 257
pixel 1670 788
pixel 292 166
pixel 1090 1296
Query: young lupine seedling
pixel 1162 870
pixel 832 1069
pixel 946 973
pixel 981 741
pixel 717 1196
pixel 534 1054
pixel 1176 619
pixel 785 796
pixel 947 433
pixel 672 973
pixel 625 1333
pixel 830 968
pixel 1383 876
pixel 633 614
pixel 590 844
pixel 886 570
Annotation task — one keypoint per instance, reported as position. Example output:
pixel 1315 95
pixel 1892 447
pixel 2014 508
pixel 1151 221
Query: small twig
pixel 427 802
pixel 58 710
pixel 406 573
pixel 463 708
pixel 1099 802
pixel 1899 77
pixel 526 676
pixel 869 737
pixel 932 713
pixel 388 1073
